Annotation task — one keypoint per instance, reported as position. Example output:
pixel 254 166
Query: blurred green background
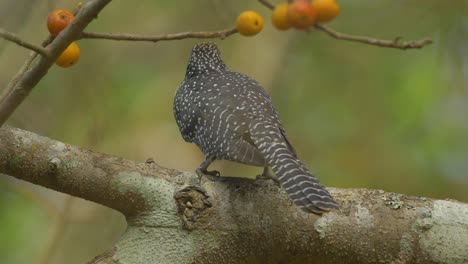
pixel 359 116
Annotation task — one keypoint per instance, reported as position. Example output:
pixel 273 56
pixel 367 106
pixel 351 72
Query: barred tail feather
pixel 302 187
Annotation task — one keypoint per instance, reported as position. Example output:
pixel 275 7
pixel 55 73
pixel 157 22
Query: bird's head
pixel 205 58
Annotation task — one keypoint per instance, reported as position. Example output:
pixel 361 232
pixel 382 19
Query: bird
pixel 230 116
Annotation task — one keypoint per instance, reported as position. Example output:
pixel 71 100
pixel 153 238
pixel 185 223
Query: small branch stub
pixel 54 165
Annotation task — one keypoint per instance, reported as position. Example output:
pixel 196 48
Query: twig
pixel 16 39
pixel 376 42
pixel 363 39
pixel 155 38
pixel 267 4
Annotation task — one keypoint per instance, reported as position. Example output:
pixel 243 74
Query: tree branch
pixel 33 75
pixel 23 43
pixel 376 42
pixel 172 218
pixel 92 176
pixel 32 56
pixel 267 4
pixel 155 38
pixel 364 39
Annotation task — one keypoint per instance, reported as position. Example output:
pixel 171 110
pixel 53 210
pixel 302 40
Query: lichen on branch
pixel 174 218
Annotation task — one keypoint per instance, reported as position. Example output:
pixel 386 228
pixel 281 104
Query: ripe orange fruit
pixel 326 10
pixel 249 23
pixel 70 56
pixel 279 18
pixel 58 20
pixel 301 14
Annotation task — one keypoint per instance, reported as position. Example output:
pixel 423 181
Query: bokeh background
pixel 359 116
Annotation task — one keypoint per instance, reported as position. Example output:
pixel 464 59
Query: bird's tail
pixel 303 188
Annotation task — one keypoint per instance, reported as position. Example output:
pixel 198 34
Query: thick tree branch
pixel 174 219
pixel 33 75
pixel 155 38
pixel 78 172
pixel 364 39
pixel 23 43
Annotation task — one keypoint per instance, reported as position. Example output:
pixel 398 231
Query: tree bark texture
pixel 175 218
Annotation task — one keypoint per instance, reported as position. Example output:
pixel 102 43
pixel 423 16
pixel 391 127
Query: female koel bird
pixel 228 115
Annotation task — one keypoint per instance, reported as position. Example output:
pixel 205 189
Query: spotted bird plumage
pixel 228 115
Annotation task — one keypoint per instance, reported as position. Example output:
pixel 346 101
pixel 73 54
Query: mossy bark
pixel 174 218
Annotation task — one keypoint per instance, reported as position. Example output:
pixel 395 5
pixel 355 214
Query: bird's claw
pixel 150 161
pixel 267 177
pixel 213 173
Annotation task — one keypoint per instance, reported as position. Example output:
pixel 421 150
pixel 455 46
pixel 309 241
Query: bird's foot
pixel 212 175
pixel 267 175
pixel 150 161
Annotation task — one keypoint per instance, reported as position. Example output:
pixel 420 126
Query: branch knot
pixel 191 202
